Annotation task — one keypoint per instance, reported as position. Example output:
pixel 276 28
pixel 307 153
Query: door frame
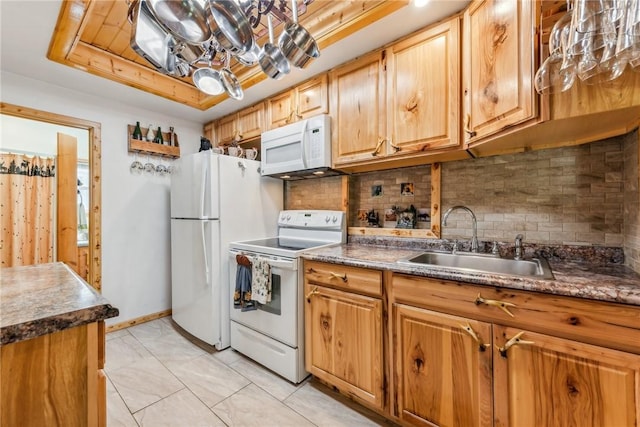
pixel 95 189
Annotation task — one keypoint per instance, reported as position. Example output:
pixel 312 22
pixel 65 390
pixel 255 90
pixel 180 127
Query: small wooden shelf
pixel 393 232
pixel 146 147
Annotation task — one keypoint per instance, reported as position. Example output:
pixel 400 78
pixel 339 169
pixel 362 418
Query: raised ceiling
pixel 94 36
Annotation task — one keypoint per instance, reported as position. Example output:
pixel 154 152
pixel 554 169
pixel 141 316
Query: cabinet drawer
pixel 596 322
pixel 343 277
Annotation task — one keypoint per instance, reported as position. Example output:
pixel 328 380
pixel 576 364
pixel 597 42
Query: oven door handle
pixel 289 264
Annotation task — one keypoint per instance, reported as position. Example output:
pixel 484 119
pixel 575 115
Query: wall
pixel 631 213
pixel 587 194
pixel 135 208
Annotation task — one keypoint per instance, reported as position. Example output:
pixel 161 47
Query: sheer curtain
pixel 27 197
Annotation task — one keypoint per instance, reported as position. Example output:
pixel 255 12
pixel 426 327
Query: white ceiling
pixel 26 28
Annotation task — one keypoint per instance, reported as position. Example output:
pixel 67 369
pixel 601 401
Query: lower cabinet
pixel 344 335
pixel 429 352
pixel 443 368
pixel 454 370
pixel 55 379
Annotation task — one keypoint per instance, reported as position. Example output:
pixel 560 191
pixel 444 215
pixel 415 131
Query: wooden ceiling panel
pixel 98 42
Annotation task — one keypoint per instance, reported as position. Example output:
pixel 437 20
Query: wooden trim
pixel 95 190
pixel 344 184
pixel 66 201
pixel 436 184
pixel 138 320
pixel 93 387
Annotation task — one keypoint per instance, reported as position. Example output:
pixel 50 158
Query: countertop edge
pixel 38 327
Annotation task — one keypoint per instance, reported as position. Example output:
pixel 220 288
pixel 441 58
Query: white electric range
pixel 273 335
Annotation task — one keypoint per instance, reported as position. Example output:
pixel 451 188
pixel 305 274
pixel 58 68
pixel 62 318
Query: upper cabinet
pixel 243 125
pixel 499 47
pixel 401 103
pixel 423 90
pixel 358 109
pixel 306 100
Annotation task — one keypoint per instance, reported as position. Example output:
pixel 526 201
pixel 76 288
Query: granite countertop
pixel 604 282
pixel 41 299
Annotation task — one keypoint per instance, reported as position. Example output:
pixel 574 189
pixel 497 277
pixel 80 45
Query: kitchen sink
pixel 537 268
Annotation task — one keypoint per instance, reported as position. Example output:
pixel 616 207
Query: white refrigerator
pixel 215 200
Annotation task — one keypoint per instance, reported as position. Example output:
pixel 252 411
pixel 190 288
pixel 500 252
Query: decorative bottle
pixel 137 132
pixel 172 137
pixel 158 138
pixel 150 135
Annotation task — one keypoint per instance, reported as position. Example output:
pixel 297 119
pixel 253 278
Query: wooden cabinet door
pixel 423 90
pixel 358 110
pixel 443 375
pixel 312 98
pixel 227 129
pixel 250 122
pixel 343 339
pixel 499 49
pixel 562 383
pixel 280 110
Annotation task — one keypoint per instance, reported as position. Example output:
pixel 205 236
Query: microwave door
pixel 283 154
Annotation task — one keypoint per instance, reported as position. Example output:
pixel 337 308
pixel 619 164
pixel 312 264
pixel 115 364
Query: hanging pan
pixel 272 61
pixel 295 41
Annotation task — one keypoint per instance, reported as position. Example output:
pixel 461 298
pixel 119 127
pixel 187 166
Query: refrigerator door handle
pixel 204 253
pixel 203 186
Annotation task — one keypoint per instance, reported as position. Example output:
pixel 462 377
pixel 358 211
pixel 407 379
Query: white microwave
pixel 298 150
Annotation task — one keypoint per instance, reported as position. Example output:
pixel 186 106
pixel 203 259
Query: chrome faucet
pixel 474 240
pixel 518 255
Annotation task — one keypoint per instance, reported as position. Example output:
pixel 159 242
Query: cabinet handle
pixel 467 129
pixel 298 115
pixel 468 329
pixel 510 343
pixel 313 292
pixel 396 148
pixel 342 277
pixel 504 306
pixel 290 116
pixel 380 142
pixel 310 270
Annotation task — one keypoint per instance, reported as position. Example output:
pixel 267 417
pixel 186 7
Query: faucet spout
pixel 474 222
pixel 518 247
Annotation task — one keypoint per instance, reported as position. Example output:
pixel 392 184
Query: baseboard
pixel 138 320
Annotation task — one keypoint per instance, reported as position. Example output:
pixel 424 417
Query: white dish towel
pixel 261 280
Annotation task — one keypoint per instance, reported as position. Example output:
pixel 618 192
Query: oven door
pixel 277 319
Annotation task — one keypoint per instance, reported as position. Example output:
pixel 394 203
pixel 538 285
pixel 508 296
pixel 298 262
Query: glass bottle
pixel 137 132
pixel 171 137
pixel 150 135
pixel 158 138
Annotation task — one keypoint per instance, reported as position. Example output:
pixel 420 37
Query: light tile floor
pixel 158 375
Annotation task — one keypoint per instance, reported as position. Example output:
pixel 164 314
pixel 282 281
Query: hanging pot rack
pixel 198 38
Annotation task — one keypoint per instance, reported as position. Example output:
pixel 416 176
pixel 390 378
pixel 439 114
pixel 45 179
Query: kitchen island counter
pixel 605 282
pixel 36 300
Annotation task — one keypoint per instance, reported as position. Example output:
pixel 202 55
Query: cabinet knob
pixel 342 277
pixel 504 306
pixel 312 293
pixel 396 148
pixel 468 329
pixel 515 340
pixel 377 150
pixel 467 129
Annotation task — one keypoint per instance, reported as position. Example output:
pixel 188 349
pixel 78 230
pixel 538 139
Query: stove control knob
pixel 334 219
pixel 282 218
pixel 288 217
pixel 327 219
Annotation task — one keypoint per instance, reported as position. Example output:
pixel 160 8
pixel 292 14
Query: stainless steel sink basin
pixel 537 268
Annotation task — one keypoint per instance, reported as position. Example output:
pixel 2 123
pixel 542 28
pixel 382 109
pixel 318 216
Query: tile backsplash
pixel 586 194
